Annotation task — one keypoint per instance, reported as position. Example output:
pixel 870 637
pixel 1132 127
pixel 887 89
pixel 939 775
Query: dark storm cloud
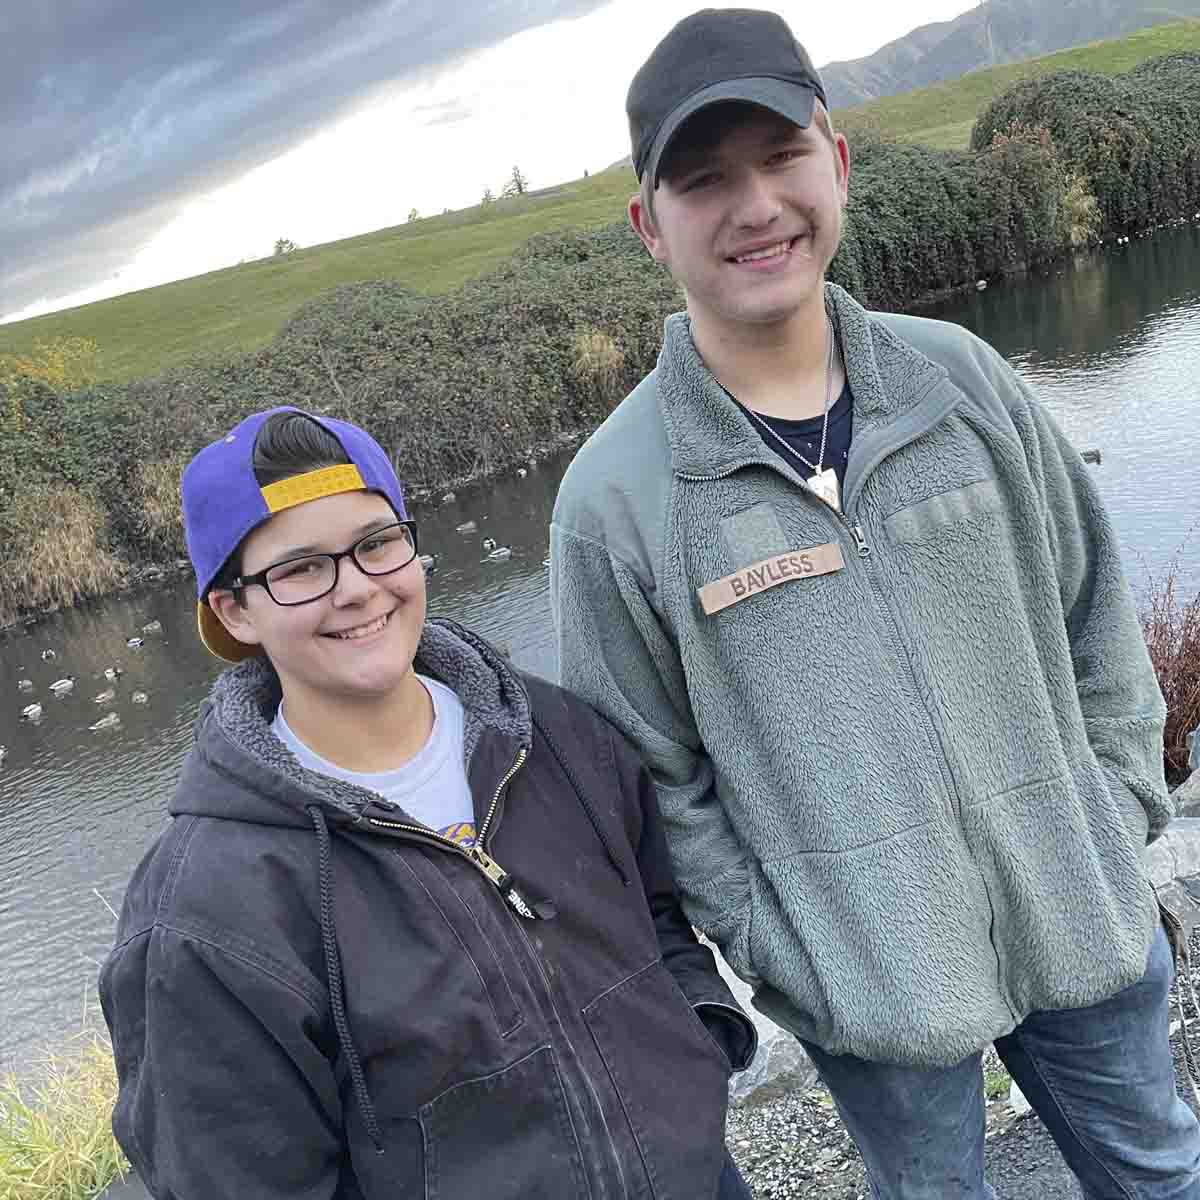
pixel 115 111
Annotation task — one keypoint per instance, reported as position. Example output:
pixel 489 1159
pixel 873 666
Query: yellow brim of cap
pixel 218 640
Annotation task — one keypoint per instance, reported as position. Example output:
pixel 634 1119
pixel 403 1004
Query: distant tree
pixel 285 246
pixel 488 198
pixel 517 184
pixel 585 174
pixel 413 215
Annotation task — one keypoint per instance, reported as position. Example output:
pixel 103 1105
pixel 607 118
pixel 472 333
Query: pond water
pixel 1112 343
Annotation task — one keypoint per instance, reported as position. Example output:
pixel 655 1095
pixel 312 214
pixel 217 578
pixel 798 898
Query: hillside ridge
pixel 992 34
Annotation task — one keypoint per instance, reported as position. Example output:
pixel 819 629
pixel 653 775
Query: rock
pixel 780 1060
pixel 1186 797
pixel 1193 743
pixel 1184 834
pixel 1183 899
pixel 1174 865
pixel 1016 1101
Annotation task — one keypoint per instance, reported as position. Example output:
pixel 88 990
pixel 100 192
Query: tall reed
pixel 1172 628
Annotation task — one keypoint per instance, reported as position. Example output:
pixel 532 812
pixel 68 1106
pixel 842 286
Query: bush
pixel 1172 629
pixel 921 221
pixel 1133 141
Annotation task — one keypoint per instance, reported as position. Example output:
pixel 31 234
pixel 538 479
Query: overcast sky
pixel 145 140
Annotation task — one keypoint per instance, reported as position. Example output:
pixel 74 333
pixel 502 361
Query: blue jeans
pixel 1101 1078
pixel 732 1186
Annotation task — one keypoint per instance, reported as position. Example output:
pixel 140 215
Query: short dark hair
pixel 288 444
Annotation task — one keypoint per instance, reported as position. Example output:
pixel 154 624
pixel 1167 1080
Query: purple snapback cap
pixel 223 502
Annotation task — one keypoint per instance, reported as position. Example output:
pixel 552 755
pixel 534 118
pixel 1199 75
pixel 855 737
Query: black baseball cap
pixel 716 55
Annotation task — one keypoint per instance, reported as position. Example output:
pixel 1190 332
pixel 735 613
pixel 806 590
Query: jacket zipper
pixel 881 602
pixel 477 855
pixel 863 548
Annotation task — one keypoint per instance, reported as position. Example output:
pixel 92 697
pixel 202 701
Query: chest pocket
pixel 928 519
pixel 466 936
pixel 753 534
pixel 508 1136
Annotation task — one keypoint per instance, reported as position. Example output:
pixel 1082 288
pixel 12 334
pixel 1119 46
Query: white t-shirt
pixel 431 787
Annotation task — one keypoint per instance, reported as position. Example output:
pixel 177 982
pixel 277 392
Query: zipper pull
pixel 534 908
pixel 491 868
pixel 860 540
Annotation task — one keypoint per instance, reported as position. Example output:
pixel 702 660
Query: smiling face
pixel 355 644
pixel 747 216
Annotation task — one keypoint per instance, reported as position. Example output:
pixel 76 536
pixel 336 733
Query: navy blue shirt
pixel 805 436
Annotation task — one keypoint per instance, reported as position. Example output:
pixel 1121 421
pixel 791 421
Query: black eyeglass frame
pixel 260 577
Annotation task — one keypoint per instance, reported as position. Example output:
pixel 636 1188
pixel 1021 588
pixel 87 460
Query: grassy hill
pixel 988 34
pixel 941 116
pixel 242 307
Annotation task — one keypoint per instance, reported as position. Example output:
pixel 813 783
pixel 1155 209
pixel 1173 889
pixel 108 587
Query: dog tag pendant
pixel 824 484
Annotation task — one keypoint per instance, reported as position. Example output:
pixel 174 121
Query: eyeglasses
pixel 302 580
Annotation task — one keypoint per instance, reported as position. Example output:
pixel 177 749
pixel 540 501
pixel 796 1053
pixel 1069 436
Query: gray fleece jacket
pixel 909 797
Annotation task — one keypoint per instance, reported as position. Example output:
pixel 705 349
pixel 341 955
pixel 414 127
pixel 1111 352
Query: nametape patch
pixel 771 572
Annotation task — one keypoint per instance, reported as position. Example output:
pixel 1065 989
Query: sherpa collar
pixel 264 782
pixel 709 434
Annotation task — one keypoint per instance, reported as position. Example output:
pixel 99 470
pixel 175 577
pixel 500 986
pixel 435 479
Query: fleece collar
pixel 710 435
pixel 240 770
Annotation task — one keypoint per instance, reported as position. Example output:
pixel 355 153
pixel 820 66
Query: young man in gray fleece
pixel 842 580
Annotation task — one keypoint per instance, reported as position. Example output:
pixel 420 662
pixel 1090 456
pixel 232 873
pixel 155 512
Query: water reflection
pixel 1096 310
pixel 1112 344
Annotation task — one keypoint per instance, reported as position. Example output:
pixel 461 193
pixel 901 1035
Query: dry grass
pixel 160 523
pixel 55 554
pixel 56 1140
pixel 1172 629
pixel 598 360
pixel 1081 213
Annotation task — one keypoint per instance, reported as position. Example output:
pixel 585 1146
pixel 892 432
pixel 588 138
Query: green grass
pixel 996 1082
pixel 56 1140
pixel 242 307
pixel 942 115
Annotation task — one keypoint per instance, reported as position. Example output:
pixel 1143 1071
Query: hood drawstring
pixel 333 967
pixel 587 805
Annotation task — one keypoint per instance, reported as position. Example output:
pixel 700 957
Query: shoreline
pixel 148 574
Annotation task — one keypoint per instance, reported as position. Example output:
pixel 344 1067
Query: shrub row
pixel 1135 137
pixel 466 384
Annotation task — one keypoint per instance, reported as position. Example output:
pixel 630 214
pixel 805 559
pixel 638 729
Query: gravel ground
pixel 797 1146
pixel 794 1144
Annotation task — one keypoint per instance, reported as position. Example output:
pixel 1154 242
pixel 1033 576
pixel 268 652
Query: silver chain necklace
pixel 824 481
